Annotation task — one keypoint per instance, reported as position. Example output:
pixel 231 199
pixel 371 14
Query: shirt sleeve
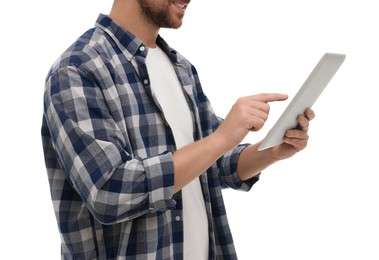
pixel 228 171
pixel 93 152
pixel 226 166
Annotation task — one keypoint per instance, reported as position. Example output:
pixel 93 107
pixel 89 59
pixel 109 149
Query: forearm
pixel 251 162
pixel 194 159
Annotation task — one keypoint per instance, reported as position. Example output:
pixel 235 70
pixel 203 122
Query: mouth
pixel 180 5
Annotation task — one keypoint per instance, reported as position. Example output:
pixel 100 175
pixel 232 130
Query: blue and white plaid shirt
pixel 108 153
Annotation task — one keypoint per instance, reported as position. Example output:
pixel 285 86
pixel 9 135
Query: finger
pixel 296 134
pixel 303 123
pixel 255 119
pixel 256 124
pixel 253 103
pixel 309 113
pixel 260 112
pixel 296 138
pixel 297 144
pixel 269 97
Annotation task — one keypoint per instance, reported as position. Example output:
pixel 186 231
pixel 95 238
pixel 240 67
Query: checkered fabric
pixel 108 153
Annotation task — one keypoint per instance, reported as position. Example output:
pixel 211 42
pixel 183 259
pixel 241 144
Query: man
pixel 135 155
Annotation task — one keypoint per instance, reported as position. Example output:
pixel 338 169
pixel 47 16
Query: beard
pixel 159 14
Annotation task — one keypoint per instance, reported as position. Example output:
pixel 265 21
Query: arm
pixel 252 162
pixel 194 159
pixel 94 151
pixel 247 114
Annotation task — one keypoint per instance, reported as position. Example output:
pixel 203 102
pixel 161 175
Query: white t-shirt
pixel 168 91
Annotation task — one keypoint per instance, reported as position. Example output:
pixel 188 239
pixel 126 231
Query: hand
pixel 247 114
pixel 296 139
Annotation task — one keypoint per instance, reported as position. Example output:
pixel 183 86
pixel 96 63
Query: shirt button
pixel 142 48
pixel 177 218
pixel 146 81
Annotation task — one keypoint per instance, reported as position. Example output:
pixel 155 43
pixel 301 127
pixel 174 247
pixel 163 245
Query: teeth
pixel 183 6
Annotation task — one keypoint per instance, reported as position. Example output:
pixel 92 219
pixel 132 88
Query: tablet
pixel 304 98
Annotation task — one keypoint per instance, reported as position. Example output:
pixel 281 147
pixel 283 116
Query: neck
pixel 127 14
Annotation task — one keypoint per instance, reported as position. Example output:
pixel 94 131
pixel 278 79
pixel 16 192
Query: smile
pixel 180 5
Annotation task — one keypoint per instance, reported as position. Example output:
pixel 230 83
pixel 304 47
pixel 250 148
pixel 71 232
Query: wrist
pixel 218 143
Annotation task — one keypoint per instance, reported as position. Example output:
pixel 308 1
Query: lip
pixel 180 4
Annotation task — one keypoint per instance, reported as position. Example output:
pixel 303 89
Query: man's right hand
pixel 247 114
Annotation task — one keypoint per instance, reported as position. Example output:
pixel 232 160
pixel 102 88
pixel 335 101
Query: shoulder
pixel 88 53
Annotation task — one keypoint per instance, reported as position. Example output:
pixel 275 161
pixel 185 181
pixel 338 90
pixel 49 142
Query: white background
pixel 320 204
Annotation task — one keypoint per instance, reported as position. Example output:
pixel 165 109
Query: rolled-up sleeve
pixel 228 171
pixel 160 181
pixel 93 153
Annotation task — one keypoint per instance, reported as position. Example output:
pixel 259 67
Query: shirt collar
pixel 128 43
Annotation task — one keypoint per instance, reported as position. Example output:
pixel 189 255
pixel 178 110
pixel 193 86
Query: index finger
pixel 270 97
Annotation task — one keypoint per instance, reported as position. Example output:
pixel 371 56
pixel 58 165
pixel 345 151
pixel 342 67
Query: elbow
pixel 104 214
pixel 110 211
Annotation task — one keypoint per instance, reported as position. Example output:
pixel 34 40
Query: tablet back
pixel 304 98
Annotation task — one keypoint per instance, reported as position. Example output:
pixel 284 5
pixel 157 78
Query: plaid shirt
pixel 108 153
